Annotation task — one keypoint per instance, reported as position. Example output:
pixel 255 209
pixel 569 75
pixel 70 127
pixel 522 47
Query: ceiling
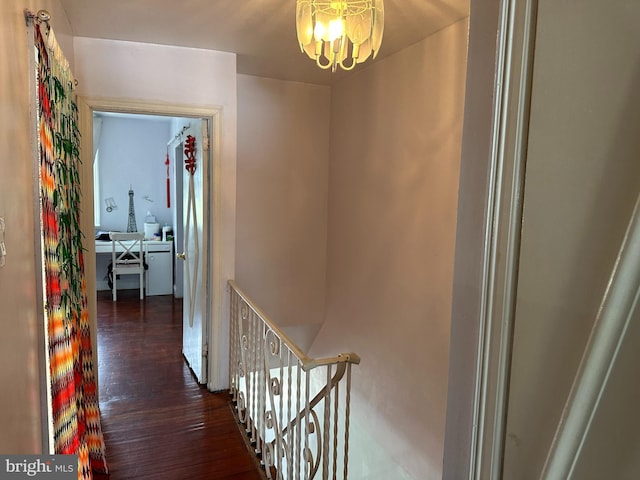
pixel 261 32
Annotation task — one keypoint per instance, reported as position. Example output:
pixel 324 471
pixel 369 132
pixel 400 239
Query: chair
pixel 127 258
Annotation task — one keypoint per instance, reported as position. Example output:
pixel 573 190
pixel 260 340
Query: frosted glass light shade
pixel 340 33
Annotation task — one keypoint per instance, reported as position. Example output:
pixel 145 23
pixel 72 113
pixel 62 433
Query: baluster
pixel 347 412
pixel 255 417
pixel 239 352
pixel 298 427
pixel 238 344
pixel 307 452
pixel 289 426
pixel 271 420
pixel 262 402
pixel 232 326
pixel 246 359
pixel 262 384
pixel 255 385
pixel 326 428
pixel 239 347
pixel 246 324
pixel 280 451
pixel 231 341
pixel 233 351
pixel 335 430
pixel 242 352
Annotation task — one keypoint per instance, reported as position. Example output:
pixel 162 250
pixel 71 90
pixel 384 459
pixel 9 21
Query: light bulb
pixel 319 31
pixel 336 28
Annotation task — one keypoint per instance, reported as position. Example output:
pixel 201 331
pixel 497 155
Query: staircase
pixel 295 409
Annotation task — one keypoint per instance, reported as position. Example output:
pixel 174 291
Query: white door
pixel 178 219
pixel 194 310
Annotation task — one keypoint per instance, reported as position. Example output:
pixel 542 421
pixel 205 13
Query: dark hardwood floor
pixel 158 422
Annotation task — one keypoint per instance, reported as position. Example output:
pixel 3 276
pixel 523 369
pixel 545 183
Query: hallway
pixel 158 423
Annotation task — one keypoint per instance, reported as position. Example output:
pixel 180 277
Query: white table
pixel 159 259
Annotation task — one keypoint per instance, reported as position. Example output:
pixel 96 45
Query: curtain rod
pixel 43 16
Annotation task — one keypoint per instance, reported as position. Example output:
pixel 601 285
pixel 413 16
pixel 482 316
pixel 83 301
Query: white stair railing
pixel 292 406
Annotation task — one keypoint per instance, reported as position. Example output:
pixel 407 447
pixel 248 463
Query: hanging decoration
pixel 190 153
pixel 191 228
pixel 75 410
pixel 166 162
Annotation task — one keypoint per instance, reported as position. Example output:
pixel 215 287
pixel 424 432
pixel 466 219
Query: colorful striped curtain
pixel 75 411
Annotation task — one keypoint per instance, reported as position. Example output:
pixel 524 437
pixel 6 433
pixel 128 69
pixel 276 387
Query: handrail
pixel 619 304
pixel 308 363
pixel 319 396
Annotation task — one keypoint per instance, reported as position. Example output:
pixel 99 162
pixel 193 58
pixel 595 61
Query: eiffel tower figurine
pixel 131 226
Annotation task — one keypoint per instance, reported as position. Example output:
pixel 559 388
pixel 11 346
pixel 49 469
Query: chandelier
pixel 341 33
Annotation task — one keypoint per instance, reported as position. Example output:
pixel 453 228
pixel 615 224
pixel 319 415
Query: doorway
pixel 140 157
pixel 212 256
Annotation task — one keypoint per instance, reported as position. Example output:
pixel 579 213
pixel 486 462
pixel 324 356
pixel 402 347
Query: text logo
pixel 51 467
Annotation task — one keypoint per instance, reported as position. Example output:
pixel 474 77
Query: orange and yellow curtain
pixel 76 415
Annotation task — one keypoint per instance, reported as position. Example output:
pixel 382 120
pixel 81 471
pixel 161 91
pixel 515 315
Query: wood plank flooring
pixel 158 422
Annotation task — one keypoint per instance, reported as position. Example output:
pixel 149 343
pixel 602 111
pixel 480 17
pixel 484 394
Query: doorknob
pixel 181 256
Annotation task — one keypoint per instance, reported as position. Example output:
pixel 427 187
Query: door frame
pixel 212 260
pixel 502 235
pixel 492 182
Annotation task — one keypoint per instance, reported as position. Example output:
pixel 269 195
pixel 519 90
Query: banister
pixel 308 363
pixel 276 399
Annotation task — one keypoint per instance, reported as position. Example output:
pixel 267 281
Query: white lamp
pixel 343 33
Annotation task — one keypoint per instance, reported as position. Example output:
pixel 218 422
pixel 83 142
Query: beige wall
pixel 583 172
pixel 20 320
pixel 283 161
pixel 393 183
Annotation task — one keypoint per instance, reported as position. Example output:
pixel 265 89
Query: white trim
pixel 619 305
pixel 220 296
pixel 217 226
pixel 502 235
pixel 46 403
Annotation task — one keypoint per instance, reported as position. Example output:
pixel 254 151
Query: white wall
pixel 396 131
pixel 21 341
pixel 583 171
pixel 132 154
pixel 283 163
pixel 179 76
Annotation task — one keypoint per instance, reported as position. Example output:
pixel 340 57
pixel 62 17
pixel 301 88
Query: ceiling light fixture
pixel 341 33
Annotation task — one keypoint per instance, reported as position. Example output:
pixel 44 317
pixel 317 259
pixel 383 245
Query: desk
pixel 159 259
pixel 148 246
